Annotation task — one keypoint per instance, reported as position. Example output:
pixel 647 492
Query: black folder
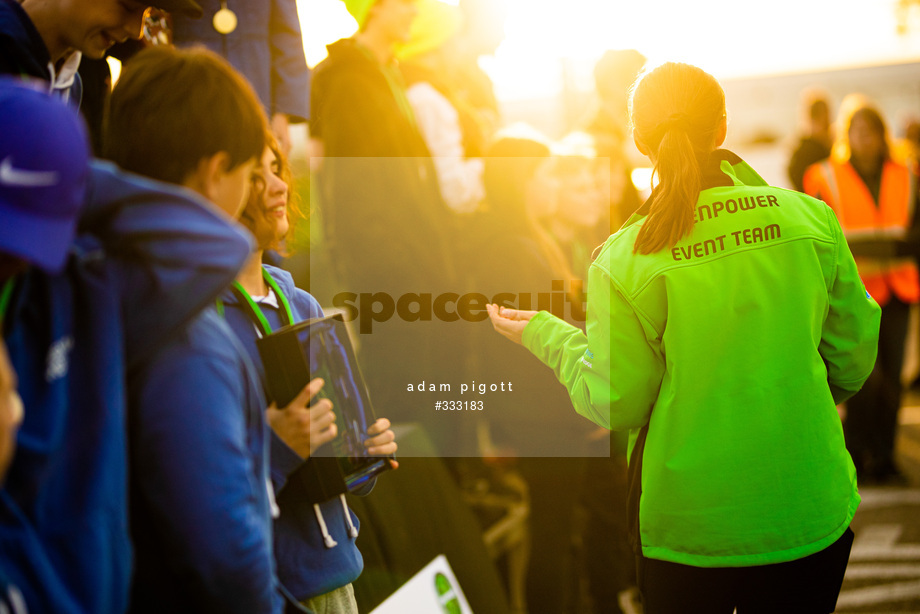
pixel 296 354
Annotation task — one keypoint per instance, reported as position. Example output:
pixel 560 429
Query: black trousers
pixel 806 586
pixel 872 413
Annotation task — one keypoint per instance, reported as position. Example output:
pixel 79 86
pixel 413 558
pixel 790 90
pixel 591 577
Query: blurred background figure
pixel 388 230
pixel 574 201
pixel 579 223
pixel 454 137
pixel 482 31
pixel 815 143
pixel 262 40
pixel 536 426
pixel 608 123
pixel 907 148
pixel 874 196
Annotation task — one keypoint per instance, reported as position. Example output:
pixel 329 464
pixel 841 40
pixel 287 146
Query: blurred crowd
pixel 869 179
pixel 144 248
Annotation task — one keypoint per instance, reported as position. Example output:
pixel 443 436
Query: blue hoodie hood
pixel 148 256
pixel 174 249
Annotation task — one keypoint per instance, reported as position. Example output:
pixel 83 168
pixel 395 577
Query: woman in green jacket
pixel 726 320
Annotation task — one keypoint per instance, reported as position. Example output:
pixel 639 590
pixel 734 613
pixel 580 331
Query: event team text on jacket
pixel 717 355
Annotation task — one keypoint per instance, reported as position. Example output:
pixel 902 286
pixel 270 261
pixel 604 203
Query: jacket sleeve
pixel 290 77
pixel 613 373
pixel 194 472
pixel 849 339
pixel 172 253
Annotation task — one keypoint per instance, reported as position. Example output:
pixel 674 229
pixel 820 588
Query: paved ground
pixel 884 570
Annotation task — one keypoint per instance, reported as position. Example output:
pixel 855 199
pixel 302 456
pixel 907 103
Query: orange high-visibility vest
pixel 839 185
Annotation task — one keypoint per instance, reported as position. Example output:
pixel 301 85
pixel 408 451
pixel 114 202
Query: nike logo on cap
pixel 16 177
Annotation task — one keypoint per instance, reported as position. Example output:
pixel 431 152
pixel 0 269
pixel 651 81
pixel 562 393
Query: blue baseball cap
pixel 44 166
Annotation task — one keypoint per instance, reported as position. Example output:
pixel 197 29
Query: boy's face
pixel 231 190
pixel 92 26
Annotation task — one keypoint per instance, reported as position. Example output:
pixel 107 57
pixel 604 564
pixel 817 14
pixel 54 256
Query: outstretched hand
pixel 509 322
pixel 304 428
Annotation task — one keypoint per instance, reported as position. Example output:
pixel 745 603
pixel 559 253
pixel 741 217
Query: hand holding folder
pixel 298 354
pixel 304 428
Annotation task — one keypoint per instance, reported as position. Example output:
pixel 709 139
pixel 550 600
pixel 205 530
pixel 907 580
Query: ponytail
pixel 673 207
pixel 676 110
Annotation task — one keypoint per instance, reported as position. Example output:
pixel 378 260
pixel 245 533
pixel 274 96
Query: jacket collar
pixel 721 169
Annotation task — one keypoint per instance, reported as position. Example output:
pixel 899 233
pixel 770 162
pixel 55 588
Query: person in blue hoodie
pixel 146 259
pixel 11 263
pixel 202 500
pixel 315 546
pixel 46 40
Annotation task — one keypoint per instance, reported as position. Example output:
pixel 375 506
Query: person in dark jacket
pixel 815 144
pixel 266 46
pixel 360 110
pixel 46 40
pixel 387 227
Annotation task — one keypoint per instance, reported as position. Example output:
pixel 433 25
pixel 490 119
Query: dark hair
pixel 172 108
pixel 819 109
pixel 255 205
pixel 675 110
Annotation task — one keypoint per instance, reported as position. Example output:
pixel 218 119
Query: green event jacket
pixel 725 357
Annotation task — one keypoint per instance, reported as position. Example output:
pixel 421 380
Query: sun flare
pixel 548 42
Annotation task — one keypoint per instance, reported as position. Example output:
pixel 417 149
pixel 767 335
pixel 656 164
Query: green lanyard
pixel 253 309
pixel 5 295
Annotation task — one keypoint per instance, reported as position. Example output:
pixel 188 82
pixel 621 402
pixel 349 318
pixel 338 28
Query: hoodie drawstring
pixel 352 531
pixel 327 539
